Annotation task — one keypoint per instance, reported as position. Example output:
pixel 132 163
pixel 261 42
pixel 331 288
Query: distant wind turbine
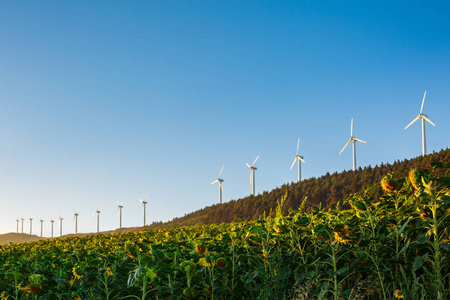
pixel 252 174
pixel 119 213
pixel 21 219
pixel 17 221
pixel 97 212
pixel 31 225
pixel 219 180
pixel 60 225
pixel 52 226
pixel 143 206
pixel 75 219
pixel 42 223
pixel 353 139
pixel 299 159
pixel 424 117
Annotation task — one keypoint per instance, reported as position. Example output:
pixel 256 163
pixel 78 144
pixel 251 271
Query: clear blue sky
pixel 105 101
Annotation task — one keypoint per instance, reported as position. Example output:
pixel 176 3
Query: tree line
pixel 329 190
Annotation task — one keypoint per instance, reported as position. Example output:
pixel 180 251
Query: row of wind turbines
pixel 298 158
pixel 75 219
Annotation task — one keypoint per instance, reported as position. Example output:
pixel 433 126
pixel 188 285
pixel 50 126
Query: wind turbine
pixel 143 206
pixel 42 222
pixel 21 219
pixel 52 226
pixel 60 225
pixel 219 180
pixel 252 175
pixel 17 226
pixel 97 212
pixel 353 139
pixel 75 218
pixel 119 213
pixel 31 225
pixel 424 117
pixel 299 159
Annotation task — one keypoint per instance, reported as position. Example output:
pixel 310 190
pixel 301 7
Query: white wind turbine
pixel 75 219
pixel 42 224
pixel 60 225
pixel 219 180
pixel 299 159
pixel 143 206
pixel 119 213
pixel 17 226
pixel 21 219
pixel 424 117
pixel 52 226
pixel 97 212
pixel 31 225
pixel 252 175
pixel 353 139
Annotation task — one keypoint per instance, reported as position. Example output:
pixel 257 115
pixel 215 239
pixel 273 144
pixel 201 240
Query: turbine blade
pixel 417 118
pixel 429 121
pixel 221 171
pixel 248 165
pixel 255 160
pixel 214 181
pixel 146 196
pixel 295 159
pixel 220 185
pixel 141 200
pixel 421 108
pixel 351 129
pixel 302 160
pixel 360 140
pixel 298 143
pixel 345 145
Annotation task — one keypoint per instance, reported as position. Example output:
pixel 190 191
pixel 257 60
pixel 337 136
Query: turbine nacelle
pixel 143 201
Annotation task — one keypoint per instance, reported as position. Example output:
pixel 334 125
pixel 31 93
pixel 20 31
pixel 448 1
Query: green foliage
pixel 387 245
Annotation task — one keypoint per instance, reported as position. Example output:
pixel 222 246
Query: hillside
pixel 328 190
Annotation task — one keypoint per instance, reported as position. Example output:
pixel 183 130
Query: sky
pixel 108 101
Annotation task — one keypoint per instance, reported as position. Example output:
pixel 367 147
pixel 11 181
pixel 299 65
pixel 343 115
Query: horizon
pixel 108 102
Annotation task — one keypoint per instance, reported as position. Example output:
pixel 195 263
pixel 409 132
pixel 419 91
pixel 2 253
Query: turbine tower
pixel 219 180
pixel 143 207
pixel 60 225
pixel 299 159
pixel 252 175
pixel 52 226
pixel 424 117
pixel 17 226
pixel 42 222
pixel 119 213
pixel 31 225
pixel 21 219
pixel 352 139
pixel 75 219
pixel 97 212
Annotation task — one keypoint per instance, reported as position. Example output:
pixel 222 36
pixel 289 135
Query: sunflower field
pixel 394 247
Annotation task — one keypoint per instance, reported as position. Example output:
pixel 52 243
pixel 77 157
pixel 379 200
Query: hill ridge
pixel 329 189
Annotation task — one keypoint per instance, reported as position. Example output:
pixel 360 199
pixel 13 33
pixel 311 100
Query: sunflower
pixel 398 294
